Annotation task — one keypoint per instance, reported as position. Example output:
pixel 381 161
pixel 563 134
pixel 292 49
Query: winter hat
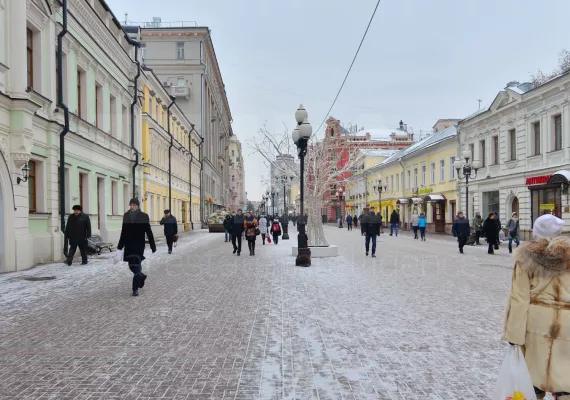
pixel 77 207
pixel 547 226
pixel 135 202
pixel 167 211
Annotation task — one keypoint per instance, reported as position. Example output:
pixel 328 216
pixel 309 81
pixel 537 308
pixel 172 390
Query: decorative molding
pixel 20 159
pixel 36 15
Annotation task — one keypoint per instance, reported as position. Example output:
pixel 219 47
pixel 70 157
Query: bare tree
pixel 540 78
pixel 328 164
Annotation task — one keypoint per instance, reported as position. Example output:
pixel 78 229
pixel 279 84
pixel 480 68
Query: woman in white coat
pixel 263 227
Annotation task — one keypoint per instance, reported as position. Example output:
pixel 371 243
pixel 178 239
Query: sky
pixel 421 60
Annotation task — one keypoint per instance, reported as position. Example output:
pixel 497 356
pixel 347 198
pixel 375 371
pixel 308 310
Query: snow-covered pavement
pixel 420 321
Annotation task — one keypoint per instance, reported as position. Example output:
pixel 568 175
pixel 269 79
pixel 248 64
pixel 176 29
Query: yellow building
pixel 420 178
pixel 181 148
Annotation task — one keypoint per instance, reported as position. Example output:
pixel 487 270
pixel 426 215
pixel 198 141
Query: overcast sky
pixel 421 61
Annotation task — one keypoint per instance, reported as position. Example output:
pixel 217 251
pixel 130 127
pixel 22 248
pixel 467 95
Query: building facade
pixel 238 197
pixel 185 62
pixel 521 140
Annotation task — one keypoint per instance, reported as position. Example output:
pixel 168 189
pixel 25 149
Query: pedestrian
pixel 422 224
pixel 250 226
pixel 276 230
pixel 294 220
pixel 378 223
pixel 360 218
pixel 355 220
pixel 136 224
pixel 339 220
pixel 170 229
pixel 238 221
pixel 228 228
pixel 513 227
pixel 263 227
pixel 394 222
pixel 461 230
pixel 490 232
pixel 498 227
pixel 478 226
pixel 537 314
pixel 349 222
pixel 369 224
pixel 415 223
pixel 77 231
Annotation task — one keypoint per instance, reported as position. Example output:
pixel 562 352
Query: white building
pixel 521 141
pixel 238 197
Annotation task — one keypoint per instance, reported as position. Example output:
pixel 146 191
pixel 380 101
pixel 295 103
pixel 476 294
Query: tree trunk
pixel 315 229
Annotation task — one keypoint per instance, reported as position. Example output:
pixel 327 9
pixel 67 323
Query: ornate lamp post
pixel 464 172
pixel 340 198
pixel 379 188
pixel 273 193
pixel 301 136
pixel 286 181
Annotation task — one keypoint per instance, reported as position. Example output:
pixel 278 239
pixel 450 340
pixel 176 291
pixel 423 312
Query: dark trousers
pixel 415 228
pixel 461 241
pixel 275 238
pixel 136 269
pixel 238 239
pixel 263 237
pixel 82 249
pixel 491 249
pixel 477 237
pixel 251 245
pixel 368 238
pixel 423 232
pixel 349 226
pixel 170 242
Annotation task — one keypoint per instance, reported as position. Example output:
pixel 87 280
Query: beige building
pixel 182 56
pixel 238 197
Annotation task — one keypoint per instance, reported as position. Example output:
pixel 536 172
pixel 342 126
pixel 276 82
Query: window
pixel 441 170
pixel 115 198
pixel 32 192
pixel 472 149
pixel 496 150
pixel 81 192
pixel 432 173
pixel 409 179
pixel 181 82
pixel 143 50
pixel 451 168
pixel 392 183
pixel 113 116
pixel 397 182
pixel 557 132
pixel 99 106
pixel 81 93
pixel 30 56
pixel 415 177
pixel 512 144
pixel 482 155
pixel 536 138
pixel 125 120
pixel 180 51
pixel 232 153
pixel 423 175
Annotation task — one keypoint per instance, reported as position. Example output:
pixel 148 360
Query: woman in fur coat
pixel 538 310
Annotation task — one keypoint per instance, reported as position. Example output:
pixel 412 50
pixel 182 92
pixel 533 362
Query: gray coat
pixel 478 223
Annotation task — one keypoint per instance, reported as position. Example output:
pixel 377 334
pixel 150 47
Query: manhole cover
pixel 37 278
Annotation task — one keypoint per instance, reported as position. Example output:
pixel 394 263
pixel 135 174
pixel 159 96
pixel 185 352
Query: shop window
pixel 546 201
pixel 536 138
pixel 557 132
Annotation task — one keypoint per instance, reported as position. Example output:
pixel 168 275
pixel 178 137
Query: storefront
pixel 545 195
pixel 437 217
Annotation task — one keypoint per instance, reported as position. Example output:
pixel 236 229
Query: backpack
pixel 276 228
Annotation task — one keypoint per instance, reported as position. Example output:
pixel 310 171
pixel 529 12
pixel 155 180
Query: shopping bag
pixel 118 256
pixel 514 382
pixel 268 239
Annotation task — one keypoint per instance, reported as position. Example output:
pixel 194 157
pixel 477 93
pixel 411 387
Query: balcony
pixel 180 91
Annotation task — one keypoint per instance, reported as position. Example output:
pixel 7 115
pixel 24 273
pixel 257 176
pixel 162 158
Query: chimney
pixel 401 125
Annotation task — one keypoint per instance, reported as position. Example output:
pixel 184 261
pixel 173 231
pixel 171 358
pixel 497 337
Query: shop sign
pixel 547 207
pixel 425 190
pixel 538 180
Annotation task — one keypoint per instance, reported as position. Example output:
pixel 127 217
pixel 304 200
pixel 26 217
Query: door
pixel 439 216
pixel 453 210
pixel 184 207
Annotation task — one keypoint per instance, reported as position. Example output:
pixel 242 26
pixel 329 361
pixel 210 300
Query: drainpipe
pixel 458 184
pixel 173 100
pixel 202 81
pixel 403 185
pixel 65 115
pixel 190 184
pixel 133 104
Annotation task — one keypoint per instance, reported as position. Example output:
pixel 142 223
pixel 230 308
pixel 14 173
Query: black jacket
pixel 370 223
pixel 135 226
pixel 78 228
pixel 490 231
pixel 170 225
pixel 228 223
pixel 237 224
pixel 461 227
pixel 394 218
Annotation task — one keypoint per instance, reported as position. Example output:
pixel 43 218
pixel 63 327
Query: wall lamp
pixel 25 171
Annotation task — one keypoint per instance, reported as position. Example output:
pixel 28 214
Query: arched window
pixel 515 205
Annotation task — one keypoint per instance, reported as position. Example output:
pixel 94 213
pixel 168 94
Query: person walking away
pixel 538 308
pixel 378 223
pixel 394 222
pixel 276 230
pixel 368 223
pixel 415 223
pixel 294 220
pixel 228 228
pixel 360 218
pixel 238 221
pixel 355 220
pixel 170 229
pixel 250 226
pixel 263 227
pixel 461 230
pixel 513 227
pixel 422 225
pixel 77 231
pixel 136 224
pixel 349 222
pixel 490 232
pixel 498 227
pixel 478 226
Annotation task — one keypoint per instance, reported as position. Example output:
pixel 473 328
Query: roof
pixel 382 134
pixel 378 153
pixel 445 120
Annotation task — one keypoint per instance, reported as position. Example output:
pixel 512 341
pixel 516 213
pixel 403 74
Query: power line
pixel 350 68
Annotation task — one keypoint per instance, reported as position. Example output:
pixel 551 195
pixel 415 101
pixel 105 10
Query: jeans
pixel 228 237
pixel 423 232
pixel 516 239
pixel 136 269
pixel 415 228
pixel 251 245
pixel 170 242
pixel 394 227
pixel 367 243
pixel 349 226
pixel 82 249
pixel 275 238
pixel 238 239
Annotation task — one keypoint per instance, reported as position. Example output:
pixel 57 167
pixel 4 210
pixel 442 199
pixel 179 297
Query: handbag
pixel 268 239
pixel 257 232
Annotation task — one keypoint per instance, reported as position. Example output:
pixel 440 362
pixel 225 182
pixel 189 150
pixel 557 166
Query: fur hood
pixel 545 257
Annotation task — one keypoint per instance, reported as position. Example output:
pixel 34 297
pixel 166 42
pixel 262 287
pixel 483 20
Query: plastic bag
pixel 514 382
pixel 118 256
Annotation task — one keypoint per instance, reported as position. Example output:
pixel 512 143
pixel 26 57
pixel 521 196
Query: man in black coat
pixel 370 224
pixel 77 231
pixel 461 230
pixel 237 230
pixel 394 222
pixel 135 225
pixel 170 228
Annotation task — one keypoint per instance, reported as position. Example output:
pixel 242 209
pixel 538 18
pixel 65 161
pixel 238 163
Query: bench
pixel 98 245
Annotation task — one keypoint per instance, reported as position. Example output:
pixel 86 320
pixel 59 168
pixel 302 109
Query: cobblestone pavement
pixel 420 321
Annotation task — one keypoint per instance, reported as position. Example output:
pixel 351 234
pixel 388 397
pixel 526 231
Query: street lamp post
pixel 379 188
pixel 273 193
pixel 464 171
pixel 286 182
pixel 340 198
pixel 301 136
